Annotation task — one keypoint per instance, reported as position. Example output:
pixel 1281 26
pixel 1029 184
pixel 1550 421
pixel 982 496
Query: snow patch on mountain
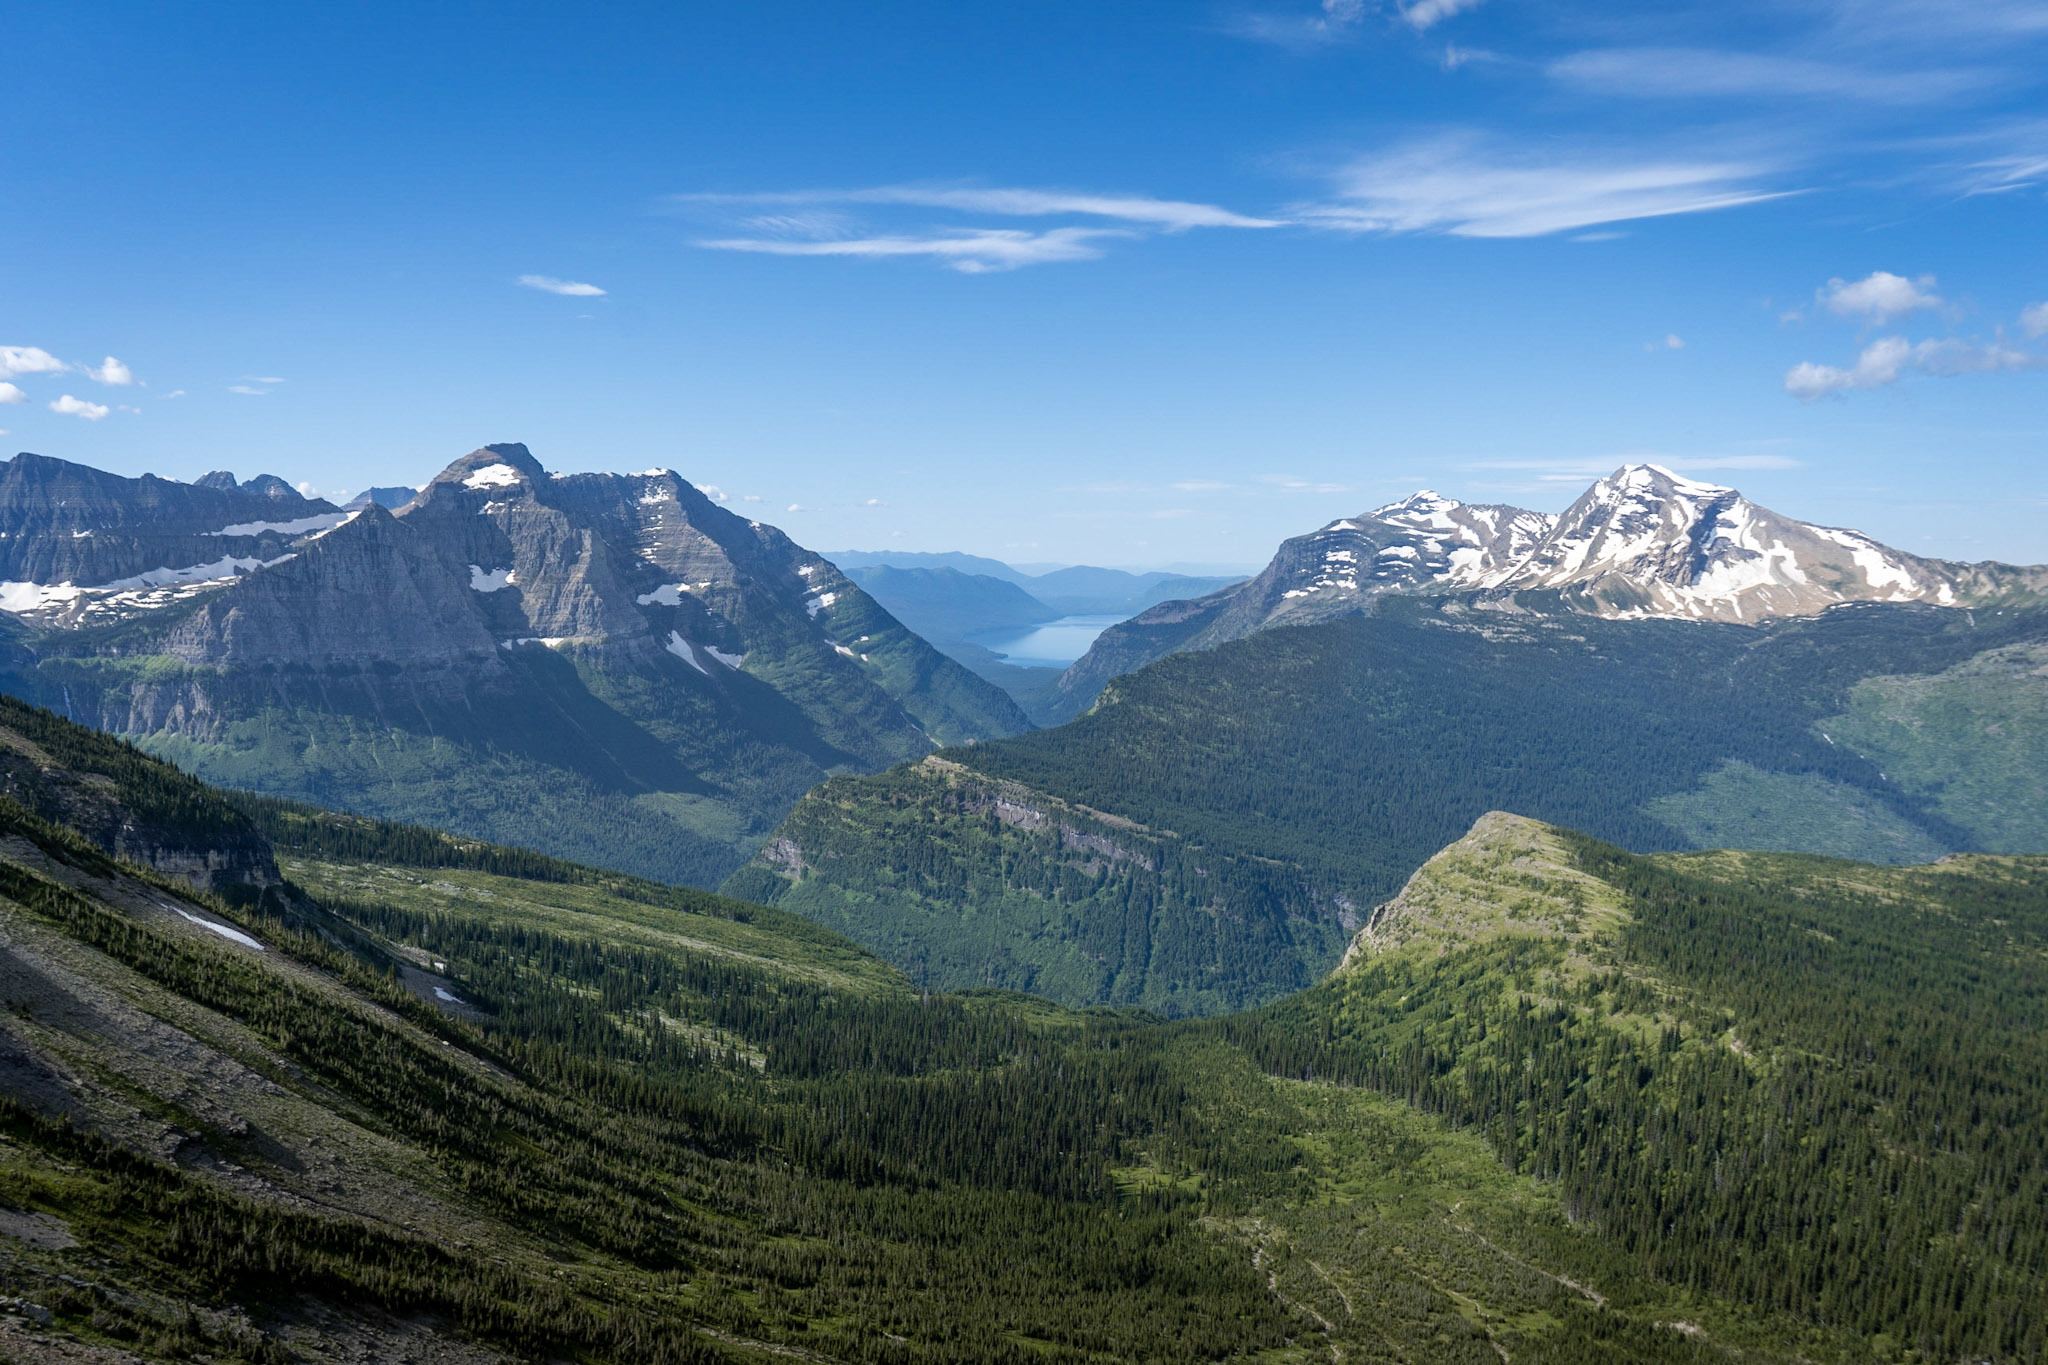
pixel 680 647
pixel 320 522
pixel 493 476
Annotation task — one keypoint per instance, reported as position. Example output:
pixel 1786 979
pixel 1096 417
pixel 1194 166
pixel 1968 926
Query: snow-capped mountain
pixel 1463 543
pixel 80 546
pixel 1642 541
pixel 1423 543
pixel 1645 541
pixel 648 678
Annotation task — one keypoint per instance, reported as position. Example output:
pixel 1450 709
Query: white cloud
pixel 1683 72
pixel 80 408
pixel 1287 483
pixel 804 224
pixel 262 379
pixel 751 497
pixel 1672 342
pixel 1878 297
pixel 1337 21
pixel 1201 486
pixel 1917 21
pixel 1422 14
pixel 1171 215
pixel 548 284
pixel 2034 319
pixel 175 393
pixel 874 502
pixel 2005 174
pixel 1887 359
pixel 714 492
pixel 794 507
pixel 16 360
pixel 1457 55
pixel 971 251
pixel 248 390
pixel 11 393
pixel 111 372
pixel 1466 187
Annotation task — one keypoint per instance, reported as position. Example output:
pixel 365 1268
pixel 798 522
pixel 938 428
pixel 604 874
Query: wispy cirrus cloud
pixel 1338 21
pixel 972 251
pixel 1289 483
pixel 816 223
pixel 548 284
pixel 1466 185
pixel 1690 72
pixel 1422 14
pixel 1918 21
pixel 1170 215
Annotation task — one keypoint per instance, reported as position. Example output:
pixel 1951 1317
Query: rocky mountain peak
pixel 505 466
pixel 393 497
pixel 1645 541
pixel 1421 502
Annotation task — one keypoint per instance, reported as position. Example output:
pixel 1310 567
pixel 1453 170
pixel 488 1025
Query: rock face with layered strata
pixel 617 642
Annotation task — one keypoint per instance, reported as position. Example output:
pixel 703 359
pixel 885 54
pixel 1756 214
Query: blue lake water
pixel 1052 645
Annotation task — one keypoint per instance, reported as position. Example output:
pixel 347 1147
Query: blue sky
pixel 1132 283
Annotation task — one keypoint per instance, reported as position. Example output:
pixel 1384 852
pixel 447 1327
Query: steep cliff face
pixel 370 592
pixel 68 528
pixel 607 666
pixel 128 805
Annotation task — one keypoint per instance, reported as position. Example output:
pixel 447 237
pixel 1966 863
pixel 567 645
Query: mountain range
pixel 1214 829
pixel 378 1093
pixel 1642 542
pixel 1068 590
pixel 606 665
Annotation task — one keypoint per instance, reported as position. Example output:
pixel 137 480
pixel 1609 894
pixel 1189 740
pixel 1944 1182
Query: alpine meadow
pixel 1426 739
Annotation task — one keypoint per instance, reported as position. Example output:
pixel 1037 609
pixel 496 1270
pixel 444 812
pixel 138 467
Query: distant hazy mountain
pixel 947 606
pixel 604 665
pixel 849 560
pixel 1084 591
pixel 1641 542
pixel 1074 590
pixel 389 498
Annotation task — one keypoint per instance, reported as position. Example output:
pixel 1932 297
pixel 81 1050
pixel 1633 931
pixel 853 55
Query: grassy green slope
pixel 1972 740
pixel 475 1103
pixel 1209 835
pixel 1800 1083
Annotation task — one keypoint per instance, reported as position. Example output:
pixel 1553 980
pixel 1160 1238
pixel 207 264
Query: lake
pixel 1052 645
